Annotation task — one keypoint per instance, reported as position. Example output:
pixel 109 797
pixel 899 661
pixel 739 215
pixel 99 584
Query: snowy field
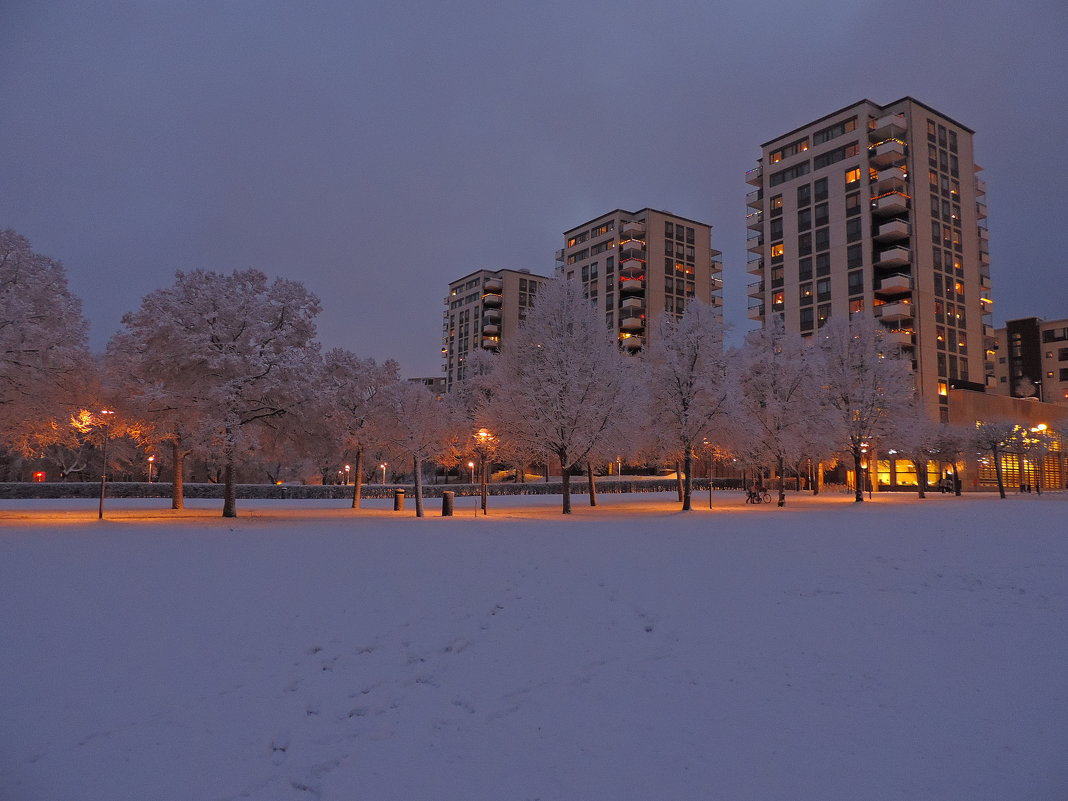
pixel 824 652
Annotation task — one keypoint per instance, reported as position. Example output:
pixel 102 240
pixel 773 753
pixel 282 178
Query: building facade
pixel 1032 359
pixel 482 308
pixel 636 265
pixel 879 209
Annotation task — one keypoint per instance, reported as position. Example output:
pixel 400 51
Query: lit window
pixel 777 250
pixel 852 175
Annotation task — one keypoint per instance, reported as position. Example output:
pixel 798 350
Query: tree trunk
pixel 921 477
pixel 687 484
pixel 997 470
pixel 858 476
pixel 418 468
pixel 817 478
pixel 177 488
pixel 678 479
pixel 483 479
pixel 229 489
pixel 782 481
pixel 565 480
pixel 357 482
pixel 591 485
pixel 546 471
pixel 956 480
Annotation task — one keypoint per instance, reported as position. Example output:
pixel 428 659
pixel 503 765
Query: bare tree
pixel 559 381
pixel 686 380
pixel 995 437
pixel 864 385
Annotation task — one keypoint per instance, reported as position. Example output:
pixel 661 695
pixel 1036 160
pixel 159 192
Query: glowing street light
pixel 151 462
pixel 382 467
pixel 471 467
pixel 347 468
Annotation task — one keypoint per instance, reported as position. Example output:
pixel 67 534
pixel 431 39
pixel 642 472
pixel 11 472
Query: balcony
pixel 491 343
pixel 755 176
pixel 560 255
pixel 755 243
pixel 632 343
pixel 984 256
pixel 984 236
pixel 632 229
pixel 991 382
pixel 897 284
pixel 632 304
pixel 632 268
pixel 493 285
pixel 491 299
pixel 889 127
pixel 989 337
pixel 894 257
pixel 984 282
pixel 715 283
pixel 755 266
pixel 892 231
pixel 886 154
pixel 899 337
pixel 755 199
pixel 715 266
pixel 756 289
pixel 980 186
pixel 890 205
pixel 754 221
pixel 632 285
pixel 632 325
pixel 491 315
pixel 491 330
pixel 898 310
pixel 756 311
pixel 980 210
pixel 631 249
pixel 892 179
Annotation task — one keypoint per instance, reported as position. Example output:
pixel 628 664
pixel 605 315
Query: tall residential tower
pixel 637 265
pixel 879 208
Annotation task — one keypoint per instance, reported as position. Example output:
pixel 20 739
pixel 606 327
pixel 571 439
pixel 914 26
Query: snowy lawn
pixel 827 651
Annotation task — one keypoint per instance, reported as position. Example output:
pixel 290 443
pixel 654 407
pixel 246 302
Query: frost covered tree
pixel 865 386
pixel 995 437
pixel 951 444
pixel 687 385
pixel 354 408
pixel 44 363
pixel 220 354
pixel 419 425
pixel 778 396
pixel 559 382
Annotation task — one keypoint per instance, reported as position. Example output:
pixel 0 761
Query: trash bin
pixel 447 498
pixel 398 501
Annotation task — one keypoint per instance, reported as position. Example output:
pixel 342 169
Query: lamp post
pixel 347 469
pixel 483 443
pixel 382 467
pixel 151 461
pixel 471 467
pixel 105 415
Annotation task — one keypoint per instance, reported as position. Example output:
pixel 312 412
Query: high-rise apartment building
pixel 1032 359
pixel 480 309
pixel 636 265
pixel 879 208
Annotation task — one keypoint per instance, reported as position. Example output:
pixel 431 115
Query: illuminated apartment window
pixel 852 175
pixel 777 251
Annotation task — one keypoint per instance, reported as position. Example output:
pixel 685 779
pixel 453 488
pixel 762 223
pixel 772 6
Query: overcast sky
pixel 377 151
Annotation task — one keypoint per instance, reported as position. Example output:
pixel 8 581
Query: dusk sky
pixel 376 151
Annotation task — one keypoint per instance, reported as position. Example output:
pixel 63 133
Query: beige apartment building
pixel 480 309
pixel 1032 359
pixel 879 208
pixel 636 265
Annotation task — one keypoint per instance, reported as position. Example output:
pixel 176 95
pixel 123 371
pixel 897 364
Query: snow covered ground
pixel 892 650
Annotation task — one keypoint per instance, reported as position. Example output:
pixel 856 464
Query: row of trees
pixel 226 368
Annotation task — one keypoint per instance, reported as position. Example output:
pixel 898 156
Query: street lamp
pixel 483 443
pixel 151 460
pixel 471 467
pixel 105 414
pixel 382 467
pixel 347 469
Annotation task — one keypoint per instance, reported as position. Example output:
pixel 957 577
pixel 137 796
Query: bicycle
pixel 760 496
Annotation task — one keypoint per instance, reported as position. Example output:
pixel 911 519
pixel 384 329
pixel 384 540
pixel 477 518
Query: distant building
pixel 481 309
pixel 1032 359
pixel 435 383
pixel 636 265
pixel 879 208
